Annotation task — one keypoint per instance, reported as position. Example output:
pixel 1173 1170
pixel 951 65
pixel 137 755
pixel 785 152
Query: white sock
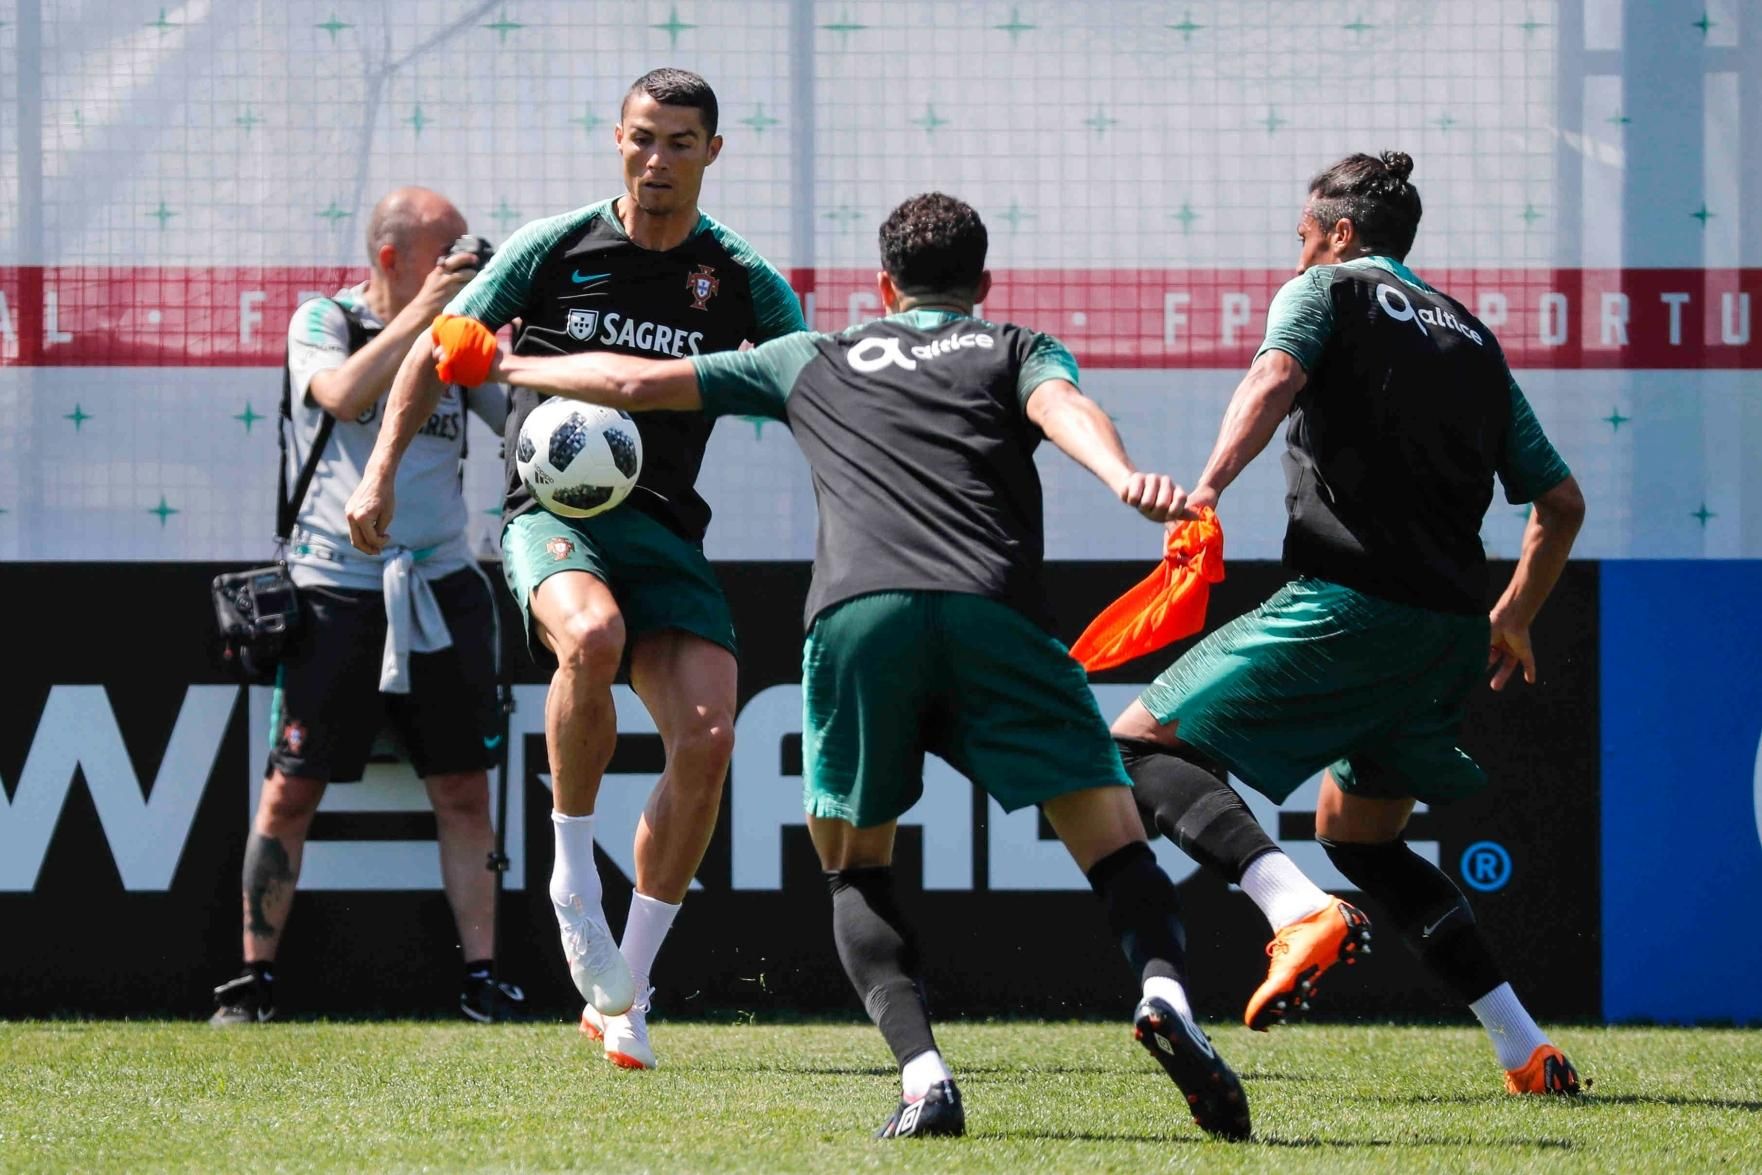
pixel 921 1072
pixel 1514 1035
pixel 1281 890
pixel 1170 992
pixel 644 932
pixel 573 872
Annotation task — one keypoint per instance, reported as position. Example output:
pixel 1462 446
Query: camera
pixel 257 613
pixel 478 247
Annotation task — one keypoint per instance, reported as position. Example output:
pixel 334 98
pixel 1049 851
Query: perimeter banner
pixel 130 768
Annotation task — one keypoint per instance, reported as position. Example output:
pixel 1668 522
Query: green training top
pixel 578 283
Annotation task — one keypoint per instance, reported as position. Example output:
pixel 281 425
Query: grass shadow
pixel 1560 1144
pixel 1750 1105
pixel 1078 1134
pixel 1591 1098
pixel 962 1072
pixel 840 1070
pixel 982 1070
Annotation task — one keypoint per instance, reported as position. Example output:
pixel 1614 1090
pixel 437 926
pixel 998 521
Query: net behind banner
pixel 175 178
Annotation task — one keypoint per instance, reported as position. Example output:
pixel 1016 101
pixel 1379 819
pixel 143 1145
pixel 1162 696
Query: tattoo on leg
pixel 269 875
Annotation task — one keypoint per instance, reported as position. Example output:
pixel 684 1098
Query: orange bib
pixel 1165 606
pixel 468 348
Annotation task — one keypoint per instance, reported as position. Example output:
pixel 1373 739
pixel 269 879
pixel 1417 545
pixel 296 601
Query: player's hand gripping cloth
pixel 1165 606
pixel 468 348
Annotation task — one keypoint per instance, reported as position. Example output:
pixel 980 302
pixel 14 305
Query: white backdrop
pixel 1116 149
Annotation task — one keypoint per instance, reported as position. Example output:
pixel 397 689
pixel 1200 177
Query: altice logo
pixel 1397 306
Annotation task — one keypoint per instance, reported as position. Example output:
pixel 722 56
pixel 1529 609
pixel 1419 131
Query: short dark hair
pixel 676 87
pixel 934 244
pixel 1373 193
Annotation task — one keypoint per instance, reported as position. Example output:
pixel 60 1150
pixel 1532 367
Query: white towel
pixel 414 623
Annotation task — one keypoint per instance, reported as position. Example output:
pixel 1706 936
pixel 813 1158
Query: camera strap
pixel 287 506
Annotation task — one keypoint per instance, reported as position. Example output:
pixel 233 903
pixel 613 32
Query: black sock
pixel 1183 796
pixel 876 947
pixel 1142 911
pixel 480 970
pixel 1433 917
pixel 263 970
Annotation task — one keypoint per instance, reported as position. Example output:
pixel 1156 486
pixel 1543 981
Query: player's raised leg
pixel 1184 796
pixel 1101 829
pixel 1363 837
pixel 576 617
pixel 688 685
pixel 1024 724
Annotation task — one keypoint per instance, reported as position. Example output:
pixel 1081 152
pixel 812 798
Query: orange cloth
pixel 1164 607
pixel 468 348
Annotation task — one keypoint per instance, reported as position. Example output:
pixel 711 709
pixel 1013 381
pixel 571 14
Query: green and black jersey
pixel 914 427
pixel 577 282
pixel 1408 414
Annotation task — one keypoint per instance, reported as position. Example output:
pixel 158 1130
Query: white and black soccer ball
pixel 577 459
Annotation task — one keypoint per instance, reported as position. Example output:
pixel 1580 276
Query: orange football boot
pixel 1548 1071
pixel 1301 953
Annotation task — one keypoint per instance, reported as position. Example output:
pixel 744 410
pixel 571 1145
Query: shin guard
pixel 1142 911
pixel 880 957
pixel 1433 917
pixel 1186 799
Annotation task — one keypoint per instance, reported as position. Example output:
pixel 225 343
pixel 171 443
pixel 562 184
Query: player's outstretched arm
pixel 1547 541
pixel 612 381
pixel 1261 401
pixel 416 392
pixel 1082 431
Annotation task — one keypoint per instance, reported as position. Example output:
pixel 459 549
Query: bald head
pixel 406 235
pixel 410 217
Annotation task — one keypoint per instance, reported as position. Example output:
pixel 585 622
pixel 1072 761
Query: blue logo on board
pixel 1486 866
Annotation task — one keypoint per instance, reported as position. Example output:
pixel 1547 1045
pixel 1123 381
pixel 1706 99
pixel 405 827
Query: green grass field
pixel 1041 1097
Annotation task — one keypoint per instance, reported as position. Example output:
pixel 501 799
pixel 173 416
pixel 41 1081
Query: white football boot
pixel 626 1037
pixel 601 975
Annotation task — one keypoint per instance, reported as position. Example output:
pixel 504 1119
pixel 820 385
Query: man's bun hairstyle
pixel 1375 195
pixel 1399 163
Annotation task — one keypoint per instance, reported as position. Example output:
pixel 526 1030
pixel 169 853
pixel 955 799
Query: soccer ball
pixel 577 459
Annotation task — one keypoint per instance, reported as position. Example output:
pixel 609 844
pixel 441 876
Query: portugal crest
pixel 581 324
pixel 702 286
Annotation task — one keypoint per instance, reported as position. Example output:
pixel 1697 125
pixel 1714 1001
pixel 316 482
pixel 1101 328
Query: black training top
pixel 578 282
pixel 921 451
pixel 1408 414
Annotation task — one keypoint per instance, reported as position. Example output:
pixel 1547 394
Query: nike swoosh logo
pixel 492 742
pixel 1427 933
pixel 580 278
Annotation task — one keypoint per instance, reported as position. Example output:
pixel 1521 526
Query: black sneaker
pixel 490 1001
pixel 1213 1093
pixel 249 999
pixel 937 1112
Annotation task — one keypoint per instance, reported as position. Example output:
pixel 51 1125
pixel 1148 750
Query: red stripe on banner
pixel 89 316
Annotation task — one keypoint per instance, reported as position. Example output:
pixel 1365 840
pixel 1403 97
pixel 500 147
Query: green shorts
pixel 890 675
pixel 1324 676
pixel 659 579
